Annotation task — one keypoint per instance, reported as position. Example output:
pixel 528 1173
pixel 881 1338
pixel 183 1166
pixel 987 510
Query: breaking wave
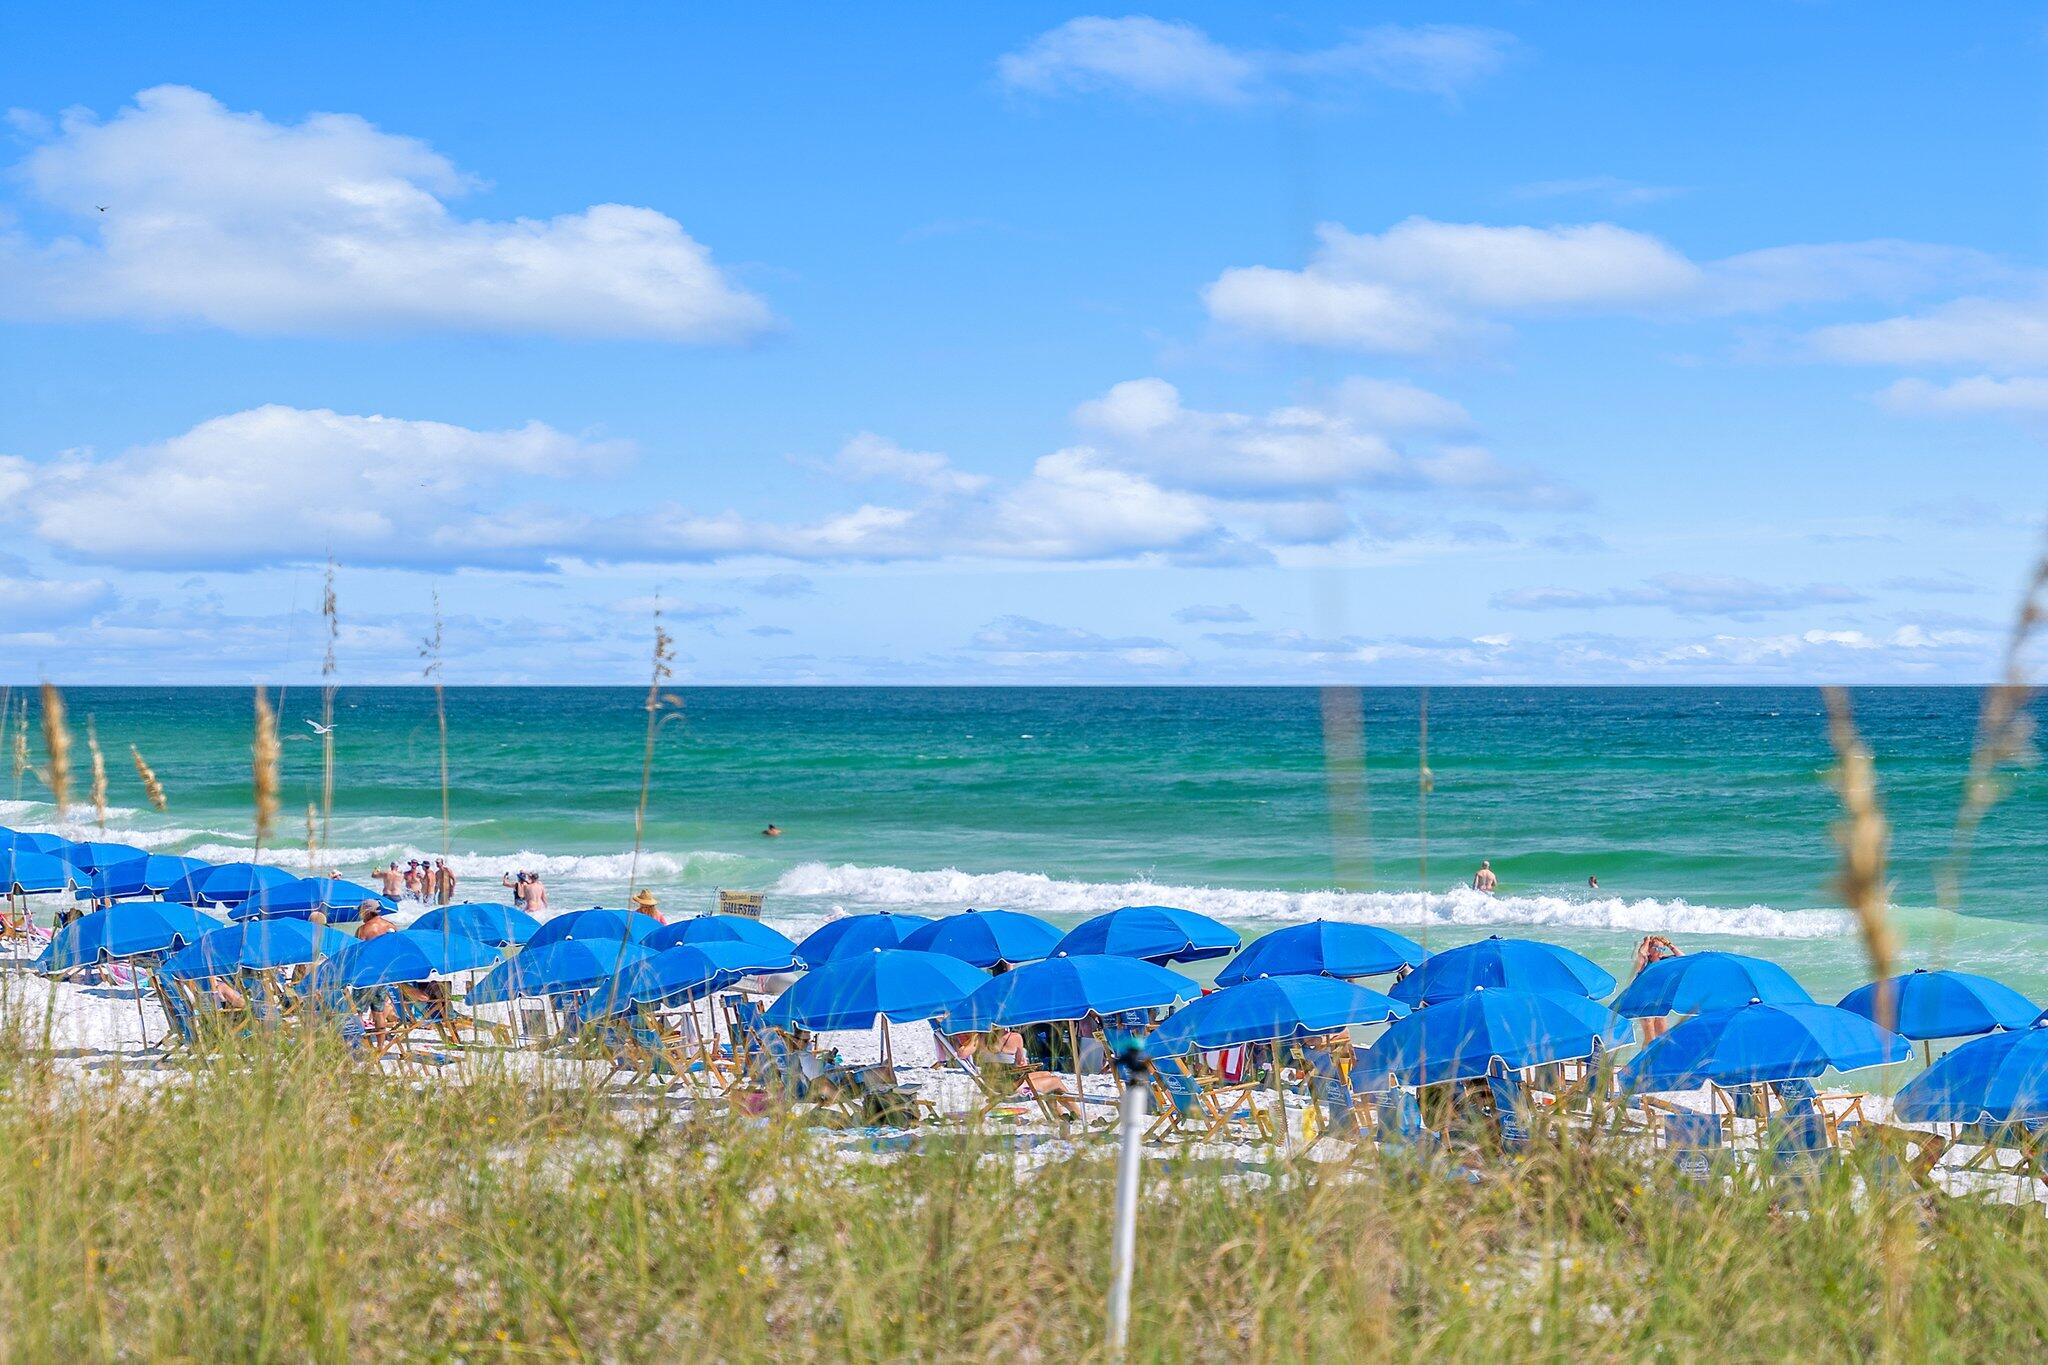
pixel 1039 894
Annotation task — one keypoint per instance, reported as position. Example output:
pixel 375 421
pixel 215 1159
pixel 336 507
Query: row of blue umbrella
pixel 1519 1002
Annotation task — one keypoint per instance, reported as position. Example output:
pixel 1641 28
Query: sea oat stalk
pixel 57 747
pixel 21 759
pixel 430 650
pixel 151 788
pixel 264 752
pixel 662 670
pixel 1864 837
pixel 330 613
pixel 1344 780
pixel 99 772
pixel 2005 738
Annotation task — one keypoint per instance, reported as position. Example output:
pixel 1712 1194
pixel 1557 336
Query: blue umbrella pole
pixel 141 1024
pixel 1280 1134
pixel 1080 1091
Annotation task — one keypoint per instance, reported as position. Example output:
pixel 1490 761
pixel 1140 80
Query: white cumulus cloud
pixel 331 225
pixel 287 485
pixel 1423 286
pixel 1962 397
pixel 2002 334
pixel 1158 59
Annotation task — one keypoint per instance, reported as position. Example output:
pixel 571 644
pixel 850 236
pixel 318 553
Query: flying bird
pixel 101 207
pixel 320 729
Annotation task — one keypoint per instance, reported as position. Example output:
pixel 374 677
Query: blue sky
pixel 1412 344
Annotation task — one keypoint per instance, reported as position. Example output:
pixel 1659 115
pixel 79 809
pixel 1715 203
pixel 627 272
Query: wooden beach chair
pixel 1694 1142
pixel 1192 1107
pixel 643 1045
pixel 1908 1153
pixel 179 1013
pixel 1345 1111
pixel 993 1095
pixel 1510 1112
pixel 1799 1147
pixel 881 1099
pixel 1399 1128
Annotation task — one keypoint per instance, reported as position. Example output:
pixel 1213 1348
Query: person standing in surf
pixel 1483 879
pixel 1653 948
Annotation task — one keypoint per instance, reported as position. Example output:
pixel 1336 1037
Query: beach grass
pixel 285 1202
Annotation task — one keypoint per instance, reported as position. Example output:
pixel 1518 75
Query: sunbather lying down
pixel 1005 1064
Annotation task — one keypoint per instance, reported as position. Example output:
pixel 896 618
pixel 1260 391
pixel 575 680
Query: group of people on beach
pixel 431 883
pixel 529 892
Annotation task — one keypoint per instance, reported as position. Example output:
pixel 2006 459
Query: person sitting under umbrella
pixel 1006 1065
pixel 372 922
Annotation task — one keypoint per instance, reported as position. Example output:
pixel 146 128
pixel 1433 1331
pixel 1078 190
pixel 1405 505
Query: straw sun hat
pixel 643 899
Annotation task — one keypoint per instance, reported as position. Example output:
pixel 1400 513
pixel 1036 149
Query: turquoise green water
pixel 1703 812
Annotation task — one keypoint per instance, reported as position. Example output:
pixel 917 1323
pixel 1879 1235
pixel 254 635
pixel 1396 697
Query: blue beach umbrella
pixel 1323 947
pixel 253 945
pixel 24 872
pixel 1697 982
pixel 148 875
pixel 1758 1043
pixel 336 897
pixel 690 970
pixel 130 929
pixel 1488 1027
pixel 560 968
pixel 54 844
pixel 987 938
pixel 1992 1081
pixel 1271 1009
pixel 226 883
pixel 594 925
pixel 399 958
pixel 485 921
pixel 852 934
pixel 1067 987
pixel 706 929
pixel 1522 963
pixel 851 991
pixel 1925 1004
pixel 1155 933
pixel 93 855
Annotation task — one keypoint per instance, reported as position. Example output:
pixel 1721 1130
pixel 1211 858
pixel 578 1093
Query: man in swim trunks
pixel 391 881
pixel 1483 879
pixel 444 882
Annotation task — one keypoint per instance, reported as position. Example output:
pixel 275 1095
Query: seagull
pixel 320 729
pixel 101 207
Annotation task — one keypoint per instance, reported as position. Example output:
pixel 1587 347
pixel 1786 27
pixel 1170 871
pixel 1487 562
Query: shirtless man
pixel 536 895
pixel 1483 879
pixel 444 882
pixel 371 922
pixel 391 881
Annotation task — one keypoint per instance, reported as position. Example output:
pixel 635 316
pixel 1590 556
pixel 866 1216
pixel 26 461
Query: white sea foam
pixel 41 813
pixel 1031 891
pixel 228 846
pixel 569 868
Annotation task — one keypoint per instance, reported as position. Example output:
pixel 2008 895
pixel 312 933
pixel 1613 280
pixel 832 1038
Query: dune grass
pixel 287 1203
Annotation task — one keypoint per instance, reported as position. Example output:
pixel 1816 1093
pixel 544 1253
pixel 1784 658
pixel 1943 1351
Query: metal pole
pixel 1123 1246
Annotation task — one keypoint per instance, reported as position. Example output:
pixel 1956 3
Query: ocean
pixel 1704 813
